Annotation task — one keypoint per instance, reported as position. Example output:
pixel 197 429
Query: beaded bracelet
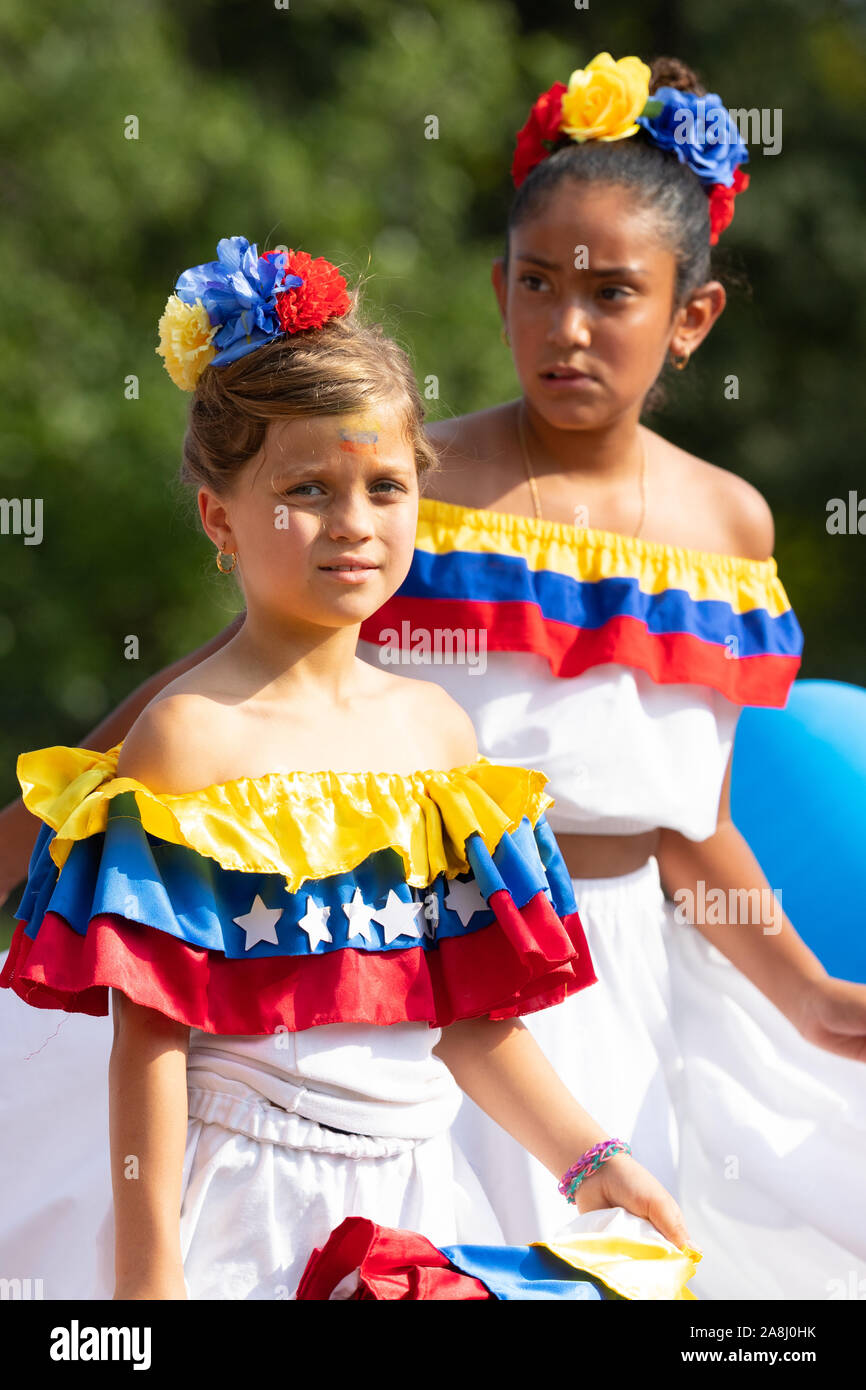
pixel 588 1163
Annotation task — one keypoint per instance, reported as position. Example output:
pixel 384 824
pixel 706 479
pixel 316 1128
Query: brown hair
pixel 343 367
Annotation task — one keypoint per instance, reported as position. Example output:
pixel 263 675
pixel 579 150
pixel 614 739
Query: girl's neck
pixel 280 662
pixel 609 452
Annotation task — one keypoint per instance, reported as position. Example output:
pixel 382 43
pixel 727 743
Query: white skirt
pixel 255 1208
pixel 55 1168
pixel 261 1188
pixel 759 1135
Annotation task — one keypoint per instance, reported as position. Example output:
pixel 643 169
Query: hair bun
pixel 670 72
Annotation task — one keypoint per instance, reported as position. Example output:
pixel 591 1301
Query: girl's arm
pixel 148 1125
pixel 501 1067
pixel 760 941
pixel 18 829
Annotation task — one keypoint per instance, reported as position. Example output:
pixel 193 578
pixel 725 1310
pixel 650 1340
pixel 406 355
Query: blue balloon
pixel 798 796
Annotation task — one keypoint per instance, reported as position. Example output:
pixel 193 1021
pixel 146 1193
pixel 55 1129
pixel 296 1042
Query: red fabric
pixel 542 124
pixel 527 959
pixel 515 626
pixel 722 203
pixel 390 1264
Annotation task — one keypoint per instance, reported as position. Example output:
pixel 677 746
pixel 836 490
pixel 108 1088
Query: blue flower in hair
pixel 239 293
pixel 698 130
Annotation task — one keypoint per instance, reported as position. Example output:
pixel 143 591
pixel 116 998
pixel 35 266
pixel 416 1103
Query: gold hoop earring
pixel 234 556
pixel 679 362
pixel 503 333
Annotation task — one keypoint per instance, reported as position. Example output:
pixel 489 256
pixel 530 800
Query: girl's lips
pixel 567 383
pixel 355 574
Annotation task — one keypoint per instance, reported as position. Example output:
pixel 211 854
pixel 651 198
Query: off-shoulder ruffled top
pixel 295 899
pixel 616 665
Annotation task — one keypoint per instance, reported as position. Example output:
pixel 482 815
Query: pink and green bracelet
pixel 588 1163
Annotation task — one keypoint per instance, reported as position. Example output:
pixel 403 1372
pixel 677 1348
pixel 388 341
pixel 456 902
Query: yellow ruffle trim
pixel 588 555
pixel 303 825
pixel 633 1267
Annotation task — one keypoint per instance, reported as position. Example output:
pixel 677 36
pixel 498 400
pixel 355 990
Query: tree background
pixel 305 126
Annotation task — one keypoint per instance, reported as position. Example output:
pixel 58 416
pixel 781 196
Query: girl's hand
pixel 622 1182
pixel 832 1015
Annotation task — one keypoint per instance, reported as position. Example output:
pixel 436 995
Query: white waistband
pixel 268 1101
pixel 643 882
pixel 236 1106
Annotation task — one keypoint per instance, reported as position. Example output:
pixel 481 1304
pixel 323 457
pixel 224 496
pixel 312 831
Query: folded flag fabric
pixel 602 1256
pixel 361 1260
pixel 628 1254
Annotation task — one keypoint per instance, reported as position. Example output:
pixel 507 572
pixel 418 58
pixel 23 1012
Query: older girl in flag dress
pixel 316 911
pixel 619 605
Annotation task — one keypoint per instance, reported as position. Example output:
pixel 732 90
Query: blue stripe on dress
pixel 127 872
pixel 483 578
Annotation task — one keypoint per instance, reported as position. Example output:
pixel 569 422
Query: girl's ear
pixel 697 317
pixel 214 518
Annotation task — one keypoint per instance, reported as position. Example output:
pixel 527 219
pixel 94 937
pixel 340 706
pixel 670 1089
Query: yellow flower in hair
pixel 185 341
pixel 604 99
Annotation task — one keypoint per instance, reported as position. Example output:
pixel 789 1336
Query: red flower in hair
pixel 539 133
pixel 322 296
pixel 722 204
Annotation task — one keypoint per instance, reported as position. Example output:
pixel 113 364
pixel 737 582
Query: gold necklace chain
pixel 533 485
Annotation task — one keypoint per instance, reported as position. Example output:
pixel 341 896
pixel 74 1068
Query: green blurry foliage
pixel 306 126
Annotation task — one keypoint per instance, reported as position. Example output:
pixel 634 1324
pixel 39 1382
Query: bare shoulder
pixel 422 715
pixel 722 511
pixel 743 511
pixel 454 729
pixel 468 446
pixel 170 747
pixel 461 435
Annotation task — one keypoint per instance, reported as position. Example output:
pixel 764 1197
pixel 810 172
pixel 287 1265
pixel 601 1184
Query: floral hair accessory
pixel 228 307
pixel 603 100
pixel 610 100
pixel 722 204
pixel 699 131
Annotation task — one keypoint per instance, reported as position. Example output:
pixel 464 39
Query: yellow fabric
pixel 650 1269
pixel 587 554
pixel 303 825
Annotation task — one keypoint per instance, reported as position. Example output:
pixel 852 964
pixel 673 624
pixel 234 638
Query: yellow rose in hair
pixel 185 341
pixel 604 99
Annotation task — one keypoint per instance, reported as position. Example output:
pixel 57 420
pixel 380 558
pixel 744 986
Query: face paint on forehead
pixel 361 439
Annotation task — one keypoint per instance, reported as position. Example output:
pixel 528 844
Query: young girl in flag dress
pixel 630 607
pixel 314 906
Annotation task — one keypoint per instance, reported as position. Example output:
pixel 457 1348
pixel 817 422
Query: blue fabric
pixel 525 1272
pixel 129 873
pixel 485 578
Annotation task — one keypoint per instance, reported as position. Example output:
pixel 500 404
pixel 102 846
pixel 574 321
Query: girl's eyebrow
pixel 590 270
pixel 298 468
pixel 537 260
pixel 616 270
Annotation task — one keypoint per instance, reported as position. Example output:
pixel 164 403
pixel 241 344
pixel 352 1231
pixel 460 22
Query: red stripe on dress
pixel 668 657
pixel 528 959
